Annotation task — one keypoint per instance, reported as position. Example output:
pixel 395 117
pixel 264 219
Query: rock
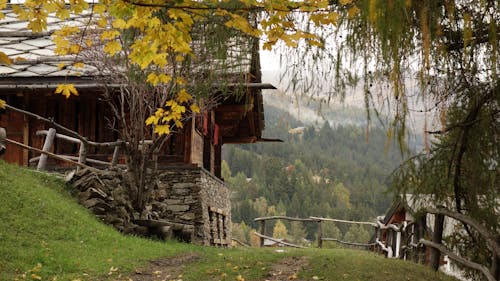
pixel 98 210
pixel 178 208
pixel 172 201
pixel 159 206
pixel 92 193
pixel 182 185
pixel 161 194
pixel 96 202
pixel 141 231
pixel 181 191
pixel 188 216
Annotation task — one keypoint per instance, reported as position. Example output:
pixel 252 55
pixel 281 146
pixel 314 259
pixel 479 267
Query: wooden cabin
pixel 29 84
pixel 189 191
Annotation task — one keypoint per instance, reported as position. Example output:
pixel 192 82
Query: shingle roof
pixel 33 53
pixel 34 60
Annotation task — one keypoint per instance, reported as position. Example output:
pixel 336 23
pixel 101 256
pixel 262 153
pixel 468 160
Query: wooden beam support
pixel 236 140
pixel 234 108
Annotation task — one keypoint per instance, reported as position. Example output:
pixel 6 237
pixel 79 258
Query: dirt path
pixel 287 269
pixel 169 268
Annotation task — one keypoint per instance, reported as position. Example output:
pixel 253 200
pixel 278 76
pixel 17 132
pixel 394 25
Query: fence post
pixel 437 237
pixel 262 231
pixel 49 140
pixel 116 153
pixel 82 157
pixel 320 235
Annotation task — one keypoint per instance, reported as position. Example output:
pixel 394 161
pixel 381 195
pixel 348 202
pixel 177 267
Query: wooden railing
pixel 406 240
pixel 319 221
pixel 51 135
pixel 395 241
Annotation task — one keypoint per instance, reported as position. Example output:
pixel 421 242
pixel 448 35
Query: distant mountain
pixel 330 164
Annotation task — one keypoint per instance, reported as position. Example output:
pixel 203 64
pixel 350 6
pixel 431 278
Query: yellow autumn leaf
pixel 5 59
pixel 180 81
pixel 345 2
pixel 151 120
pixel 112 47
pixel 162 129
pixel 183 96
pixel 352 12
pixel 74 48
pixel 62 65
pixel 152 79
pixel 240 278
pixel 194 108
pixel 109 34
pixel 119 24
pixel 35 277
pixel 2 104
pixel 78 65
pixel 66 90
pixel 99 9
pixel 164 78
pixel 178 123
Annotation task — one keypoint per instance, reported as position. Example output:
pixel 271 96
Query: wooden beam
pixel 284 218
pixel 234 108
pixel 349 243
pixel 236 140
pixel 52 155
pixel 278 241
pixel 343 221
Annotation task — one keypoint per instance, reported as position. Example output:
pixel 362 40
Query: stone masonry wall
pixel 186 196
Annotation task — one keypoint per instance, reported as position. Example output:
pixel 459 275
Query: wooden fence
pixel 405 240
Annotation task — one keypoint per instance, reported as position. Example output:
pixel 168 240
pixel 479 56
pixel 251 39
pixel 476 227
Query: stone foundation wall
pixel 185 195
pixel 191 195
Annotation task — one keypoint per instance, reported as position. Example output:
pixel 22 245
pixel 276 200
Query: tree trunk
pixel 437 238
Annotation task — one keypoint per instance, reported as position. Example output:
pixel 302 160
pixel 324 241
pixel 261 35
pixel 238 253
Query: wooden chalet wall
pixel 85 114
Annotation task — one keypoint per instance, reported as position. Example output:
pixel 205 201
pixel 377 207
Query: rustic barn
pixel 190 163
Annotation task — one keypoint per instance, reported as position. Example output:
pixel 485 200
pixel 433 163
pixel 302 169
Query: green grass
pixel 41 224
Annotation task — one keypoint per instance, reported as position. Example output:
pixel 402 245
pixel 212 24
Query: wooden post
pixel 3 136
pixel 421 226
pixel 404 242
pixel 49 140
pixel 82 158
pixel 320 235
pixel 220 228
pixel 26 139
pixel 437 238
pixel 116 153
pixel 262 231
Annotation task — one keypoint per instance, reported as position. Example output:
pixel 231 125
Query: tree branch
pixel 459 259
pixel 490 238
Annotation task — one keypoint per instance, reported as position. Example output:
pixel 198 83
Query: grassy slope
pixel 41 224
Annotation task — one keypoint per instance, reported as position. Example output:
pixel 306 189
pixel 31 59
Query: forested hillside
pixel 337 171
